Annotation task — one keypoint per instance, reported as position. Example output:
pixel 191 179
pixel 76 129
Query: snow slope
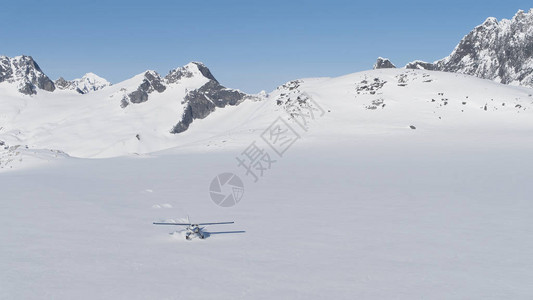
pixel 360 207
pixel 376 217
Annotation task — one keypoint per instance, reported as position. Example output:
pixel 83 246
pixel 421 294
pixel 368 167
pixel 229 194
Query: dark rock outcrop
pixel 203 101
pixel 61 83
pixel 6 72
pixel 151 82
pixel 421 65
pixel 204 70
pixel 383 63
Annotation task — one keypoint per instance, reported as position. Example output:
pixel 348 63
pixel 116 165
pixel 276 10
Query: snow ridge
pixel 90 82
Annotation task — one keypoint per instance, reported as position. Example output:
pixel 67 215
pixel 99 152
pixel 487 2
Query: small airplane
pixel 194 230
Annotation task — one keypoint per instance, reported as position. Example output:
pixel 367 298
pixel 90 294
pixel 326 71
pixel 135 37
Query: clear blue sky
pixel 250 45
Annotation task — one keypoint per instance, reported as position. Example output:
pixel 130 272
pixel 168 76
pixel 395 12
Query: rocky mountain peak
pixel 383 63
pixel 204 70
pixel 521 15
pixel 201 102
pixel 26 73
pixel 490 21
pixel 192 69
pixel 90 82
pixel 498 50
pixel 61 83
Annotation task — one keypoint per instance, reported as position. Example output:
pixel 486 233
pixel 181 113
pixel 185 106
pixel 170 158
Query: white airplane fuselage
pixel 194 231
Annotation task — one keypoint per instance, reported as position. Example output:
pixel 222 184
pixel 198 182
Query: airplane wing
pixel 222 232
pixel 183 224
pixel 216 223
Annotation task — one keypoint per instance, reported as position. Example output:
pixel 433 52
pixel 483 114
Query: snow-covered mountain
pixel 149 113
pixel 90 82
pixel 25 74
pixel 498 50
pixel 141 114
